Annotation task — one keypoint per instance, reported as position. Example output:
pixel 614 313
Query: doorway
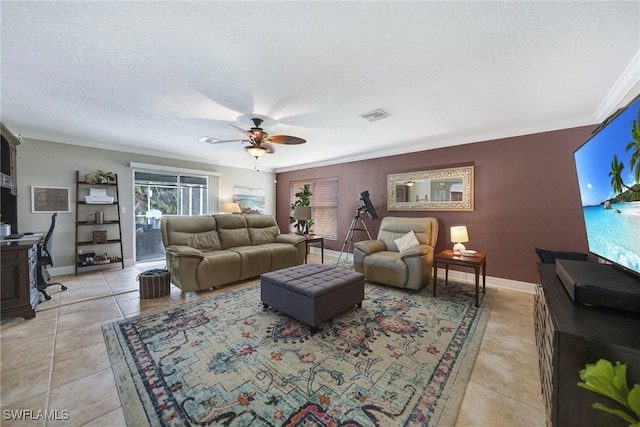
pixel 164 193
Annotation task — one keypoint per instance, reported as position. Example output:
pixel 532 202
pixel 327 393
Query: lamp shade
pixel 459 235
pixel 231 207
pixel 302 213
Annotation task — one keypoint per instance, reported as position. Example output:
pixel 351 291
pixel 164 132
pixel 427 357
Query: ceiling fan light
pixel 255 151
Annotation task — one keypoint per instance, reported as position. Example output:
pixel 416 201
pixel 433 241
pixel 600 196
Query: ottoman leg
pixel 360 304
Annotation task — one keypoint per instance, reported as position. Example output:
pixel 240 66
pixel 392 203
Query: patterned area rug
pixel 404 358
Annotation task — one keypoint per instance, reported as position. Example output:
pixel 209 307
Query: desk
pixel 19 294
pixel 448 258
pixel 312 238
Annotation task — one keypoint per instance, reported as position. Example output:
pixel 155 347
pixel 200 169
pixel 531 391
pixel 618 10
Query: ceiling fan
pixel 260 141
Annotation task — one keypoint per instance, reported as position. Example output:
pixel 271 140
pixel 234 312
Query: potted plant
pixel 304 200
pixel 105 177
pixel 610 380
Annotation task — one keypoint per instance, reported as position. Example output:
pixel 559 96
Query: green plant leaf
pixel 605 379
pixel 622 414
pixel 633 400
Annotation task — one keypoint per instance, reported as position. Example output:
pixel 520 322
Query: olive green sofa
pixel 206 251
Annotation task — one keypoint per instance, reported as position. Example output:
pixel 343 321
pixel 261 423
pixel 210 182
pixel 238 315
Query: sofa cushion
pixel 218 268
pixel 205 241
pixel 407 241
pixel 233 231
pixel 254 260
pixel 197 231
pixel 262 229
pixel 386 267
pixel 282 255
pixel 392 228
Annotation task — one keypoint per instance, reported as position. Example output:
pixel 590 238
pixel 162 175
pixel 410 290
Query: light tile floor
pixel 58 361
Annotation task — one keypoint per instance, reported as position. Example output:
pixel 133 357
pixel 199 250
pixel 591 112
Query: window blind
pixel 324 205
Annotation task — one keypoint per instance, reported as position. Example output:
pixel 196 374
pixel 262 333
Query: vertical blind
pixel 324 205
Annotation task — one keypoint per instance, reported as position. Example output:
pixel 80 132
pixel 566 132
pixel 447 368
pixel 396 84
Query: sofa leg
pixel 360 304
pixel 265 305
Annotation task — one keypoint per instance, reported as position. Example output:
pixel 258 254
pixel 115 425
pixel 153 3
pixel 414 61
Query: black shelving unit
pixel 85 227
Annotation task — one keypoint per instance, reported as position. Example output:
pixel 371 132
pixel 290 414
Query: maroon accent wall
pixel 526 196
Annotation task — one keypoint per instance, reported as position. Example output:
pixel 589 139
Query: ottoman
pixel 312 293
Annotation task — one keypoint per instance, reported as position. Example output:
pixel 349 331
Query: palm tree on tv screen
pixel 616 175
pixel 617 183
pixel 634 147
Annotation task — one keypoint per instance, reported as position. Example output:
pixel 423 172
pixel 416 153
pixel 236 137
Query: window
pixel 171 194
pixel 164 193
pixel 324 205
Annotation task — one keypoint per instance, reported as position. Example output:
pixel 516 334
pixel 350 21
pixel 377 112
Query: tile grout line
pixel 53 358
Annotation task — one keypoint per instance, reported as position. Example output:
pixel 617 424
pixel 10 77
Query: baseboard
pixel 496 282
pixel 70 269
pixel 461 276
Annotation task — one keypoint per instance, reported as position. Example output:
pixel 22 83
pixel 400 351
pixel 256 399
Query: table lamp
pixel 231 207
pixel 458 236
pixel 303 215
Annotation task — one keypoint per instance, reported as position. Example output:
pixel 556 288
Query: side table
pixel 448 258
pixel 312 238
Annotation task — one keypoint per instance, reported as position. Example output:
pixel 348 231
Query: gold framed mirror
pixel 433 190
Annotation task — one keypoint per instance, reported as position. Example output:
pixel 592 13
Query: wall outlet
pixel 123 209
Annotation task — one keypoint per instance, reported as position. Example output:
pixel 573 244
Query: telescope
pixel 368 206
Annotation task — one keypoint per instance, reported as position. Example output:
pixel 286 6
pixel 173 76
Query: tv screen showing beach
pixel 608 168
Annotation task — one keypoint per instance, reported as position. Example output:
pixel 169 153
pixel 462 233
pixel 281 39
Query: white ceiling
pixel 154 77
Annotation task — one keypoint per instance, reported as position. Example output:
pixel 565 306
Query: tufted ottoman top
pixel 312 280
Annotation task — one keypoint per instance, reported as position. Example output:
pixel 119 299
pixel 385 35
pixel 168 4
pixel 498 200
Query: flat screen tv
pixel 608 168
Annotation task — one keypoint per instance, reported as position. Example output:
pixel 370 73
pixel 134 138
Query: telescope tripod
pixel 352 228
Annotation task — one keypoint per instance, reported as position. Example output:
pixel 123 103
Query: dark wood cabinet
pixel 570 335
pixel 8 181
pixel 19 292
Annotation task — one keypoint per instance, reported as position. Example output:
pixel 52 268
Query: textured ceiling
pixel 154 77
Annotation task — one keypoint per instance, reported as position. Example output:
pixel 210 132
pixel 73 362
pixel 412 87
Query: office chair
pixel 45 258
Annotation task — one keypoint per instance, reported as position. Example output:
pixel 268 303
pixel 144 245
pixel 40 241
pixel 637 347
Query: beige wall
pixel 44 163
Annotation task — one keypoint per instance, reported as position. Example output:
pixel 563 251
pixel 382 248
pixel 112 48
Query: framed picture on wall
pixel 49 199
pixel 251 200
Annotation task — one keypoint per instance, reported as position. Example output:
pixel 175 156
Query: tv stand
pixel 602 285
pixel 570 335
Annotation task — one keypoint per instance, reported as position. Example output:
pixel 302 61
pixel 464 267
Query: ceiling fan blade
pixel 211 140
pixel 223 141
pixel 285 139
pixel 246 132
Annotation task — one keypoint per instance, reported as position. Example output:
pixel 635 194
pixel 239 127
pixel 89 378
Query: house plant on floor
pixel 304 200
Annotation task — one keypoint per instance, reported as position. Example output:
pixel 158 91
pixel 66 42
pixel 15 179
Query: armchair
pixel 382 262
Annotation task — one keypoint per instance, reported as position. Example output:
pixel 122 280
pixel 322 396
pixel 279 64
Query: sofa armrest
pixel 417 250
pixel 292 239
pixel 371 246
pixel 180 250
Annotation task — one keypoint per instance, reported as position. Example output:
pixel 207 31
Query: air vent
pixel 375 115
pixel 209 140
